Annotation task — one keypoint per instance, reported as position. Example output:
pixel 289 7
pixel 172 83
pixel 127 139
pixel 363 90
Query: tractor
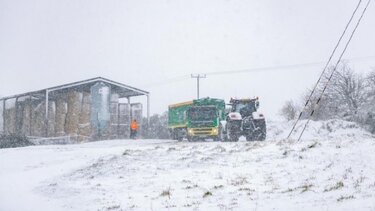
pixel 243 119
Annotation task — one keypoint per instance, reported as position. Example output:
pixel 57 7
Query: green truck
pixel 196 119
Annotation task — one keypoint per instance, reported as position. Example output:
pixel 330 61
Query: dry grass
pixel 166 192
pixel 337 186
pixel 206 194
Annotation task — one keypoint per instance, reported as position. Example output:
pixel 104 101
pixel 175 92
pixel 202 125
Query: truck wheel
pixel 190 139
pixel 233 137
pixel 224 138
pixel 176 135
pixel 262 136
pixel 249 138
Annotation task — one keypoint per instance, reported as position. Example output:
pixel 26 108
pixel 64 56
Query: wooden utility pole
pixel 198 76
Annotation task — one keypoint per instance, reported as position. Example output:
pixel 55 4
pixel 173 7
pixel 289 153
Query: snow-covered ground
pixel 332 168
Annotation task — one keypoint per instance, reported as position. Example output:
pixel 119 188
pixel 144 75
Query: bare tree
pixel 344 96
pixel 368 111
pixel 289 110
pixel 158 128
pixel 347 92
pixel 370 84
pixel 320 107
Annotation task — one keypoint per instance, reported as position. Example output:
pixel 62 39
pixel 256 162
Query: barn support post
pixel 130 114
pixel 4 115
pixel 80 116
pixel 148 111
pixel 31 115
pixel 15 117
pixel 46 114
pixel 118 120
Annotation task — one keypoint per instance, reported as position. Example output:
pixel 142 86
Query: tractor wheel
pixel 229 135
pixel 232 137
pixel 249 138
pixel 235 138
pixel 262 136
pixel 261 133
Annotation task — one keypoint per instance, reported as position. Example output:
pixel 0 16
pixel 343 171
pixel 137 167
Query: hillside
pixel 330 169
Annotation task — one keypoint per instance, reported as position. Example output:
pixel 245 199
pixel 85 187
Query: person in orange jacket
pixel 133 129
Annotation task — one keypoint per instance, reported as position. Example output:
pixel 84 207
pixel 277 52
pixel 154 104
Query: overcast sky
pixel 149 44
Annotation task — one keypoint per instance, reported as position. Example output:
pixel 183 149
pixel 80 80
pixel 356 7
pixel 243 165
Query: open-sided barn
pixel 92 109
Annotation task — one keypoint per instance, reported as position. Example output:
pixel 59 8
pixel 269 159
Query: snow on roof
pixel 121 89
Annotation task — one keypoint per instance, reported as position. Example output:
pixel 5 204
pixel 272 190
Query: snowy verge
pixel 327 170
pixel 320 130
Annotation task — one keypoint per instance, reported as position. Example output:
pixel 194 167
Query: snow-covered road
pixel 332 174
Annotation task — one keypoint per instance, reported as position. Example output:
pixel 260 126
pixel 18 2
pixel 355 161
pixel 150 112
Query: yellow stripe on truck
pixel 209 131
pixel 181 104
pixel 177 126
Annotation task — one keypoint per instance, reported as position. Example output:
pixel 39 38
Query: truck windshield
pixel 244 107
pixel 202 113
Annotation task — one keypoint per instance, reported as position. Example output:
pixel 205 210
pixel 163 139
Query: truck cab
pixel 203 122
pixel 196 119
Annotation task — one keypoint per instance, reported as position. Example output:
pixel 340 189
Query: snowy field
pixel 332 168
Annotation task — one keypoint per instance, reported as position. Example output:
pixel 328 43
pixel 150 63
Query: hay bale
pixel 26 118
pixel 60 116
pixel 51 117
pixel 38 119
pixel 10 116
pixel 74 109
pixel 84 117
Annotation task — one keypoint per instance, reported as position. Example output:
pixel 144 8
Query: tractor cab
pixel 245 107
pixel 245 120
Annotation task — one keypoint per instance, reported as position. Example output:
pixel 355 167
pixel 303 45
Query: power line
pixel 325 67
pixel 262 69
pixel 168 81
pixel 256 69
pixel 334 70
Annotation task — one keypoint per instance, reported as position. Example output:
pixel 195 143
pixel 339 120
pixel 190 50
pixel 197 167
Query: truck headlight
pixel 190 131
pixel 214 130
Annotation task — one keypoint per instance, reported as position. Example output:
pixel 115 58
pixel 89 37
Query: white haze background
pixel 152 44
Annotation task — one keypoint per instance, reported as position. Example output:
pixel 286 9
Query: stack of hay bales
pixel 26 118
pixel 38 119
pixel 74 109
pixel 84 127
pixel 73 115
pixel 60 115
pixel 1 117
pixel 51 117
pixel 10 119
